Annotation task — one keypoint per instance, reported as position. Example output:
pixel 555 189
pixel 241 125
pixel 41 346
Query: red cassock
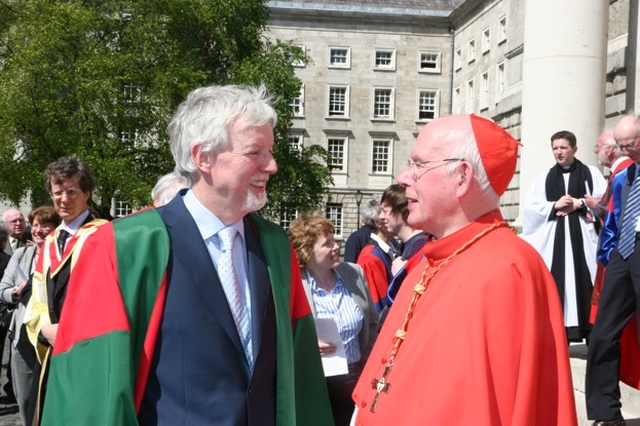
pixel 486 344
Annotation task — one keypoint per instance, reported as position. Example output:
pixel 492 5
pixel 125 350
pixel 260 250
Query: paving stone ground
pixel 8 412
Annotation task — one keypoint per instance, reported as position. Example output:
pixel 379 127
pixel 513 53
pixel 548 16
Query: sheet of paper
pixel 336 363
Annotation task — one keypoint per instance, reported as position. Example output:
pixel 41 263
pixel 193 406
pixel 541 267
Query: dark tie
pixel 630 215
pixel 62 239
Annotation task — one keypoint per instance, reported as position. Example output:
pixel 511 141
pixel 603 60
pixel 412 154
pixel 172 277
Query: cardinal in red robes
pixel 476 333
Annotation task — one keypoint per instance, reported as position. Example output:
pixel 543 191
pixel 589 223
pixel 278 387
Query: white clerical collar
pixel 208 223
pixel 72 227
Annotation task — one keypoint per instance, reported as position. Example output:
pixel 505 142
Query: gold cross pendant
pixel 380 386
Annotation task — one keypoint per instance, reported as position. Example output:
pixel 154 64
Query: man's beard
pixel 254 203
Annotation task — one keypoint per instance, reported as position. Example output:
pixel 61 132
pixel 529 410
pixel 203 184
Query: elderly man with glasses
pixel 17 227
pixel 609 359
pixel 478 312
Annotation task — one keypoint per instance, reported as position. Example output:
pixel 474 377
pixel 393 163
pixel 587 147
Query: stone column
pixel 631 59
pixel 564 70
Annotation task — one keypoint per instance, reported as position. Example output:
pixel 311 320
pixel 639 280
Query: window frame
pixel 484 90
pixel 388 162
pixel 390 106
pixel 300 106
pixel 339 65
pixel 436 102
pixel 287 216
pixel 391 66
pixel 344 147
pixel 486 40
pixel 472 50
pixel 501 79
pixel 298 144
pixel 502 33
pixel 122 208
pixel 471 99
pixel 337 219
pixel 298 63
pixel 437 67
pixel 456 100
pixel 346 101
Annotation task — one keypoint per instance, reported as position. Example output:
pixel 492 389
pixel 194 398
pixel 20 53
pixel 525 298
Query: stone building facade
pixel 425 59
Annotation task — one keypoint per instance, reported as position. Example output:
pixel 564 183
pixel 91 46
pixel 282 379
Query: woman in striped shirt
pixel 338 291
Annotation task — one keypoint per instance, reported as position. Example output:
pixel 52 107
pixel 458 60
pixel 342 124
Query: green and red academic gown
pixel 112 315
pixel 486 344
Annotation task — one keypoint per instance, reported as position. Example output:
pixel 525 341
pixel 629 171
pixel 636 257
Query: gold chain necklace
pixel 383 385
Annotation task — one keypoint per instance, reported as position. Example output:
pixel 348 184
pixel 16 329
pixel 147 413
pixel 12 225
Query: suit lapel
pixel 626 188
pixel 258 278
pixel 190 253
pixel 61 267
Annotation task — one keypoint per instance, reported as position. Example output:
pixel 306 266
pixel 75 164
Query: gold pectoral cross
pixel 380 386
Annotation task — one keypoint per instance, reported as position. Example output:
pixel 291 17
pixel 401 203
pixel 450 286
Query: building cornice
pixel 291 10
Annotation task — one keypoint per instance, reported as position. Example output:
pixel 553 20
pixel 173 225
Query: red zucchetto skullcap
pixel 498 151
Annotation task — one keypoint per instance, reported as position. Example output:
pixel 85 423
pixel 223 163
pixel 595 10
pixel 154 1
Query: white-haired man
pixel 202 318
pixel 475 335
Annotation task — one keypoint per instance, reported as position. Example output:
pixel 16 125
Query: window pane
pixel 382 103
pixel 333 212
pixel 337 101
pixel 297 105
pixel 336 154
pixel 339 56
pixel 295 142
pixel 427 106
pixel 429 61
pixel 380 156
pixel 384 59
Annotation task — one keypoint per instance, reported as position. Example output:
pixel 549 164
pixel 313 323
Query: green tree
pixel 100 79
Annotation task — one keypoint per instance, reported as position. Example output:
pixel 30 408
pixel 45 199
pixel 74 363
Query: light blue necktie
pixel 231 287
pixel 627 241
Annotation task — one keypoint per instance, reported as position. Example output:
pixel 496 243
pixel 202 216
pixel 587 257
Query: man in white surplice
pixel 559 224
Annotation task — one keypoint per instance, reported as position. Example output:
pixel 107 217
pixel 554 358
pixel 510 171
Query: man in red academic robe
pixel 476 334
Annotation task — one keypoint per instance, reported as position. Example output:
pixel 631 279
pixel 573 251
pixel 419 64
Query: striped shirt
pixel 343 309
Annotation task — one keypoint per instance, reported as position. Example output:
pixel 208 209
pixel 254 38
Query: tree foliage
pixel 100 79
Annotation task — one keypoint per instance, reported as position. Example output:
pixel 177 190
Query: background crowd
pixel 414 295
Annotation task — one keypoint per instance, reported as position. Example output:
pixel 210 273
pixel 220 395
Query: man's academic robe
pixel 486 344
pixel 617 167
pixel 377 269
pixel 114 312
pixel 630 340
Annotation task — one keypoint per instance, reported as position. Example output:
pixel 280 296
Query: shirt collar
pixel 381 243
pixel 315 288
pixel 207 223
pixel 72 227
pixel 614 166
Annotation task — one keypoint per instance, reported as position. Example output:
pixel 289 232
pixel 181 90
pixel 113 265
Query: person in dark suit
pixel 202 318
pixel 70 183
pixel 337 291
pixel 620 297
